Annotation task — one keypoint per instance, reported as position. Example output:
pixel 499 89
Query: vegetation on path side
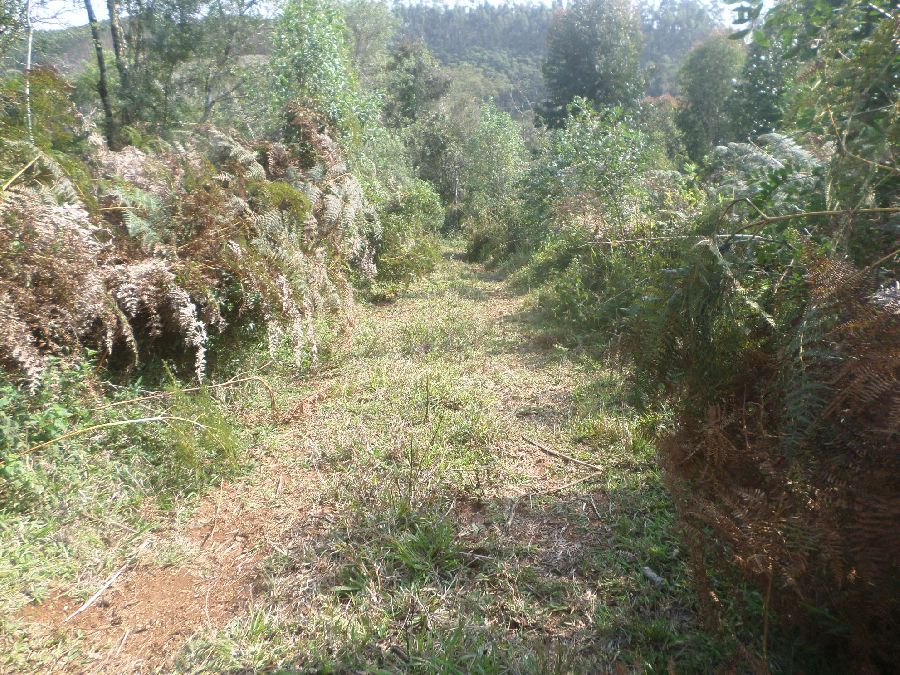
pixel 402 518
pixel 200 200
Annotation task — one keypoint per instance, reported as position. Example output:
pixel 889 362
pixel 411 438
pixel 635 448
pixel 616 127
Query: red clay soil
pixel 149 612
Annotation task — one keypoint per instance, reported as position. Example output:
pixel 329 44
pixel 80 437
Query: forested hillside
pixel 506 44
pixel 349 337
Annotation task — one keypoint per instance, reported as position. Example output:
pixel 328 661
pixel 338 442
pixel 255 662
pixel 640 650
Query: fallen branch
pixel 573 483
pixel 108 425
pixel 106 584
pixel 229 383
pixel 561 455
pixel 765 219
pixel 17 174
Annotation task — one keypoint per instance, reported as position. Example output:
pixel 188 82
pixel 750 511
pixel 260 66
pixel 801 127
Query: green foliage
pixel 707 80
pixel 592 171
pixel 499 46
pixel 436 147
pixel 670 30
pixel 372 27
pixel 29 417
pixel 408 248
pixel 56 121
pixel 312 64
pixel 414 82
pixel 282 196
pixel 657 118
pixel 12 23
pixel 497 161
pixel 593 52
pixel 757 104
pixel 193 443
pixel 849 95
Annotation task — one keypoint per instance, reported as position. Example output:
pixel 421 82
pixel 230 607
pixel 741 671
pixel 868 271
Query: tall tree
pixel 670 30
pixel 371 26
pixel 219 70
pixel 757 104
pixel 312 63
pixel 109 127
pixel 593 51
pixel 707 80
pixel 414 82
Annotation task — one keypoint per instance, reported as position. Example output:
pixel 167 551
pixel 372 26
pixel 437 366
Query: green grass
pixel 444 548
pixel 73 511
pixel 429 536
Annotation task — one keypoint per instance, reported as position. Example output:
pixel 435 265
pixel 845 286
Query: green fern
pixel 143 214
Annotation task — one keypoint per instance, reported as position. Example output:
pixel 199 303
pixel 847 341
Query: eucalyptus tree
pixel 371 30
pixel 312 64
pixel 708 77
pixel 593 52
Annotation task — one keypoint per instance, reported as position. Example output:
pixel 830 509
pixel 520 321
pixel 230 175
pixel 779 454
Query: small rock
pixel 653 576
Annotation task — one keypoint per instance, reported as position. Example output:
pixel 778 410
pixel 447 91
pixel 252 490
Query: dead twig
pixel 561 455
pixel 512 511
pixel 106 584
pixel 215 515
pixel 122 642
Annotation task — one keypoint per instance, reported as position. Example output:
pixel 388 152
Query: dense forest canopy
pixel 698 207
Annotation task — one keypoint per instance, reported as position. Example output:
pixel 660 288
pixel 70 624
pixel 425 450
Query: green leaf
pixel 760 38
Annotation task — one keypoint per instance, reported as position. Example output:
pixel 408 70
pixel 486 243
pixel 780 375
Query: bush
pixel 759 319
pixel 408 248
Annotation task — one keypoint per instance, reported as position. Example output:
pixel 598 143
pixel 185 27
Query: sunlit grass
pixel 447 547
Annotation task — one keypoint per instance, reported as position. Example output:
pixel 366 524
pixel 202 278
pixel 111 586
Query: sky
pixel 59 14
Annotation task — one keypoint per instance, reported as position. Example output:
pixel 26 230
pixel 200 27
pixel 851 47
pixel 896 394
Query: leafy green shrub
pixel 496 163
pixel 596 204
pixel 408 247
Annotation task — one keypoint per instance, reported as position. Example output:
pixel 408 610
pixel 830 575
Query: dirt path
pixel 415 513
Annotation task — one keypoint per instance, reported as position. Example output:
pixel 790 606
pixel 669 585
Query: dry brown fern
pixel 813 524
pixel 175 240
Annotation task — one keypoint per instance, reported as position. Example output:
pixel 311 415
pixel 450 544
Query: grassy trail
pixel 403 516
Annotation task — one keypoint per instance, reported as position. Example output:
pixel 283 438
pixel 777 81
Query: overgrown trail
pixel 403 515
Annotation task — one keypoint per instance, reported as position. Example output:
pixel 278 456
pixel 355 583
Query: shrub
pixel 408 247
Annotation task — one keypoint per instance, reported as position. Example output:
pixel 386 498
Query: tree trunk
pixel 109 125
pixel 29 27
pixel 120 49
pixel 118 39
